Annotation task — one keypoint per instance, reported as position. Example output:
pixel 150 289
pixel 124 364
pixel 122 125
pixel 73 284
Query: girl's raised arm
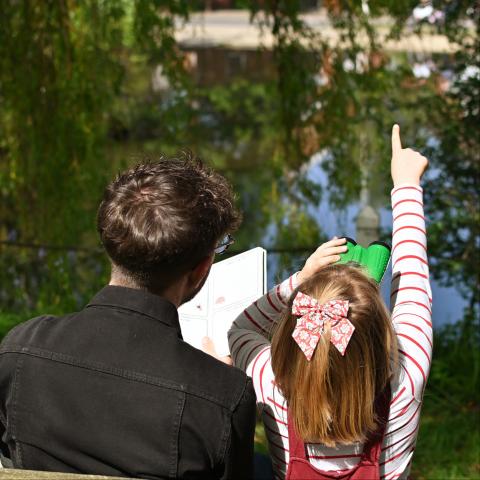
pixel 411 297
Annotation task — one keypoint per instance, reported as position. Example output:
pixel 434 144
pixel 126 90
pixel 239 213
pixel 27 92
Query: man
pixel 113 389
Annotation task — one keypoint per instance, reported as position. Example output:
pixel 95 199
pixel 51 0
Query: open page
pixel 232 285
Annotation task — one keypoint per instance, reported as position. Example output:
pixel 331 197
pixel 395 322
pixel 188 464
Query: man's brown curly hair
pixel 158 219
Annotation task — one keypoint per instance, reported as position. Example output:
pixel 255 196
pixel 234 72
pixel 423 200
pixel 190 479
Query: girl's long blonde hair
pixel 331 397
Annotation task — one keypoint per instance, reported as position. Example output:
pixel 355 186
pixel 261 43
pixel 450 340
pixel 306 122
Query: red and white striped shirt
pixel 411 316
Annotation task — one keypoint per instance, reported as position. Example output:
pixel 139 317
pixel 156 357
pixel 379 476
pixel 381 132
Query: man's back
pixel 114 390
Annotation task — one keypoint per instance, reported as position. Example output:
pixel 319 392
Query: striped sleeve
pixel 411 297
pixel 251 330
pixel 411 302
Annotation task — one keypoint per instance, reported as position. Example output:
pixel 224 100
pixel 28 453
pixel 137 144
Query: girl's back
pixel 411 319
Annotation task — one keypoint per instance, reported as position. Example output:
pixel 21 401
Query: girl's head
pixel 331 397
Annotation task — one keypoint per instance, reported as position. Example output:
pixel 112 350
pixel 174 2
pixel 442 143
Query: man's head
pixel 160 220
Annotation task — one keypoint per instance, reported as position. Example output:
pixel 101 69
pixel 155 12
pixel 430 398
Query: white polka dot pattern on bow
pixel 313 318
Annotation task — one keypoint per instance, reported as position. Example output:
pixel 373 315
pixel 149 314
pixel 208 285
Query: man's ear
pixel 198 273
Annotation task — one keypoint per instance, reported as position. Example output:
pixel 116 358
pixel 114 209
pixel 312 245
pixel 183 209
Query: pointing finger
pixel 396 142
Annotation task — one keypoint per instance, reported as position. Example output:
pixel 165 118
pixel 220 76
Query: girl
pixel 343 400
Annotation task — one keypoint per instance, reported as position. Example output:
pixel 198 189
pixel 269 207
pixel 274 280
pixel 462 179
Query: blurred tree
pixel 65 93
pixel 352 92
pixel 57 78
pixel 61 66
pixel 76 79
pixel 452 191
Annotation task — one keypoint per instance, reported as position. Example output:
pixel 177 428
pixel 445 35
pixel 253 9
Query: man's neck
pixel 173 293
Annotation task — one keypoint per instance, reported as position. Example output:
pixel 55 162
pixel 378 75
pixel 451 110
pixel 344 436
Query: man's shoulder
pixel 30 331
pixel 214 380
pixel 192 370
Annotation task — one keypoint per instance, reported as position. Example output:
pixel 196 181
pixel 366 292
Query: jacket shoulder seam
pixel 110 370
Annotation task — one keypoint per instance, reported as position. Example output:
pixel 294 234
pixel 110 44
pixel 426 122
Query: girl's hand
pixel 407 164
pixel 324 255
pixel 209 347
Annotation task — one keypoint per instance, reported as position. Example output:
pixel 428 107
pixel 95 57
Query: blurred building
pixel 224 44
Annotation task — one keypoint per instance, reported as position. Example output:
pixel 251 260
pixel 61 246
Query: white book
pixel 233 284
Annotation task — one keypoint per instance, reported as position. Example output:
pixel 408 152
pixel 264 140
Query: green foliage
pixel 455 375
pixel 449 439
pixel 452 192
pixel 10 320
pixel 57 77
pixel 81 80
pixel 50 281
pixel 448 446
pixel 153 26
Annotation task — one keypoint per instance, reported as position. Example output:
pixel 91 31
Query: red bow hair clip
pixel 314 316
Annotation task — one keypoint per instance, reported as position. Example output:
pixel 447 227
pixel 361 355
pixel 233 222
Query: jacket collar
pixel 138 301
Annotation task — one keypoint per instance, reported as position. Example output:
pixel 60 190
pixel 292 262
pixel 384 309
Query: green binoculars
pixel 373 258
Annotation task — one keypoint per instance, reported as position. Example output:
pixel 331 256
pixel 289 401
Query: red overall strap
pixel 296 447
pixel 368 467
pixel 373 446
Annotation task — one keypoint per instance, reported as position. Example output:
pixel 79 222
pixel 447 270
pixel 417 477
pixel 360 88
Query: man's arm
pixel 8 364
pixel 239 452
pixel 5 461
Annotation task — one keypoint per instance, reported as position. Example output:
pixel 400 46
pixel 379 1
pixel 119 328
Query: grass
pixel 448 445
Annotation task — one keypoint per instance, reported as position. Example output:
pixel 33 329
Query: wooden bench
pixel 17 474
